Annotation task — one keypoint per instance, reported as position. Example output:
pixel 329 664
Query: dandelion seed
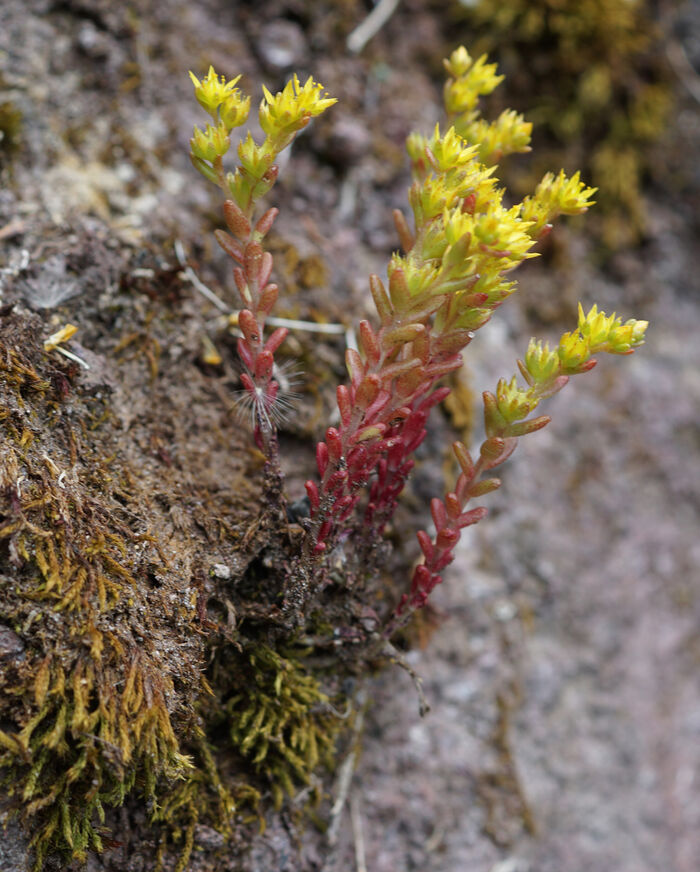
pixel 273 405
pixel 288 376
pixel 52 287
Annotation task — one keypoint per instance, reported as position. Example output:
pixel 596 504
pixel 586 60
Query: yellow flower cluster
pixel 554 196
pixel 281 115
pixel 450 172
pixel 210 143
pixel 228 109
pixel 596 332
pixel 547 369
pixel 541 363
pixel 513 402
pixel 508 134
pixel 221 99
pixel 496 232
pixel 608 333
pixel 466 240
pixel 468 81
pixel 287 112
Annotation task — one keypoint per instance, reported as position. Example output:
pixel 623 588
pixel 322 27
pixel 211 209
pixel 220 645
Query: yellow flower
pixel 508 134
pixel 234 110
pixel 541 363
pixel 210 143
pixel 62 335
pixel 608 333
pixel 213 90
pixel 596 325
pixel 514 402
pixel 221 99
pixel 574 351
pixel 556 196
pixel 458 62
pixel 471 81
pixel 284 113
pixel 451 151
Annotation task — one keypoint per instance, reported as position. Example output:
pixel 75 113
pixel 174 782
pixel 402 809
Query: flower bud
pixel 234 111
pixel 210 143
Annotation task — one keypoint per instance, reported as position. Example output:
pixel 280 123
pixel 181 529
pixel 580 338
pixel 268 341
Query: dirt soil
pixel 561 664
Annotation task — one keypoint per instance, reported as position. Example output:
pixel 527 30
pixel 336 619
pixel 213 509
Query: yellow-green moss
pixel 84 749
pixel 111 697
pixel 10 128
pixel 90 704
pixel 280 720
pixel 203 796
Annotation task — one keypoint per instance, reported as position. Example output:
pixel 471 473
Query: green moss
pixel 10 128
pixel 112 699
pixel 202 796
pixel 90 705
pixel 83 749
pixel 278 723
pixel 280 720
